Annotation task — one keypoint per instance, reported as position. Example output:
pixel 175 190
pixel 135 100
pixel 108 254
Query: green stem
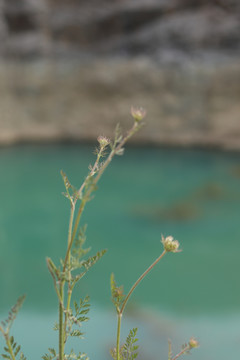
pixel 118 335
pixel 9 347
pixel 61 329
pixel 140 279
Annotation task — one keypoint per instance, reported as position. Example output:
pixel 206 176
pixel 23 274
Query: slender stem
pixel 9 347
pixel 118 335
pixel 140 279
pixel 181 352
pixel 61 329
pixel 169 350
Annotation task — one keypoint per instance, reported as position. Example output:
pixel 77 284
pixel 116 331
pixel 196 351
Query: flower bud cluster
pixel 169 244
pixel 103 141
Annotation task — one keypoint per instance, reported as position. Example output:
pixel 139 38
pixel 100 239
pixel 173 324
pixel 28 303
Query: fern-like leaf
pixel 7 324
pixel 129 349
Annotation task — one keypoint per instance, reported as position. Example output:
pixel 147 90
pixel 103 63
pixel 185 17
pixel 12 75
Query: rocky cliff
pixel 71 69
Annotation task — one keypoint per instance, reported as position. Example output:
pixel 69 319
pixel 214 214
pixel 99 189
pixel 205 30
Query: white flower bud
pixel 169 244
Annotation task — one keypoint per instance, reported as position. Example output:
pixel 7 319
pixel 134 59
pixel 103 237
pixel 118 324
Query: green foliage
pixel 78 251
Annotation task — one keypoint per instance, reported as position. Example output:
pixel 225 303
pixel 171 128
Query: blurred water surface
pixel 191 194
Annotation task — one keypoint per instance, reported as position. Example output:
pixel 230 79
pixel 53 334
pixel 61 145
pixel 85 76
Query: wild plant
pixel 74 266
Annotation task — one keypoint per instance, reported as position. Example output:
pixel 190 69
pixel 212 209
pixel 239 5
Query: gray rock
pixel 126 28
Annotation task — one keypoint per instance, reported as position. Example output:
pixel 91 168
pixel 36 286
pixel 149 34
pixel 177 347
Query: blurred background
pixel 71 70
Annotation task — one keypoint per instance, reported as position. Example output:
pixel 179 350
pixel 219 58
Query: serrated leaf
pixel 13 314
pixel 84 312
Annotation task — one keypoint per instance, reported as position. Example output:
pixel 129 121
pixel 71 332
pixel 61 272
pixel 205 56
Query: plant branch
pixel 186 348
pixel 140 279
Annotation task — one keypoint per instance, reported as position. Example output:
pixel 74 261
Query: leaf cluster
pixel 7 323
pixel 129 350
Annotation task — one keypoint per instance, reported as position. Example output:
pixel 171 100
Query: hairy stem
pixel 140 279
pixel 69 271
pixel 81 208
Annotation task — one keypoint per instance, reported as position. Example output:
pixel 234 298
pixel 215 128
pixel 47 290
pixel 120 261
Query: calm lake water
pixel 192 195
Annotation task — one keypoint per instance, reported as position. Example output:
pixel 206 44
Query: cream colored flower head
pixel 170 245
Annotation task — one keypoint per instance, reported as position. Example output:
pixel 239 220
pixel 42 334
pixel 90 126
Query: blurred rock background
pixel 71 69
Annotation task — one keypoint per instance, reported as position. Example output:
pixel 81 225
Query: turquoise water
pixel 192 195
